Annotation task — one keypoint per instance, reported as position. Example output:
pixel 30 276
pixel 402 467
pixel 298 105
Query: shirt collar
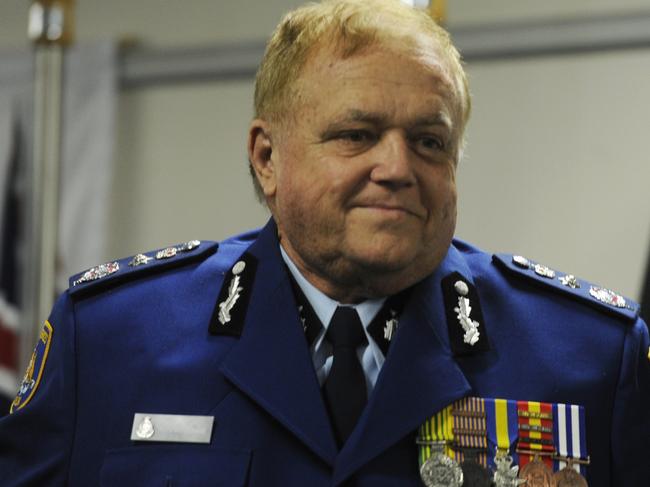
pixel 323 305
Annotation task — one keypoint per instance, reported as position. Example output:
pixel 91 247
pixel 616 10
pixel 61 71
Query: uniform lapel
pixel 419 377
pixel 271 362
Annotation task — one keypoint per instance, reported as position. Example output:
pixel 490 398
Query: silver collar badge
pixel 391 325
pixel 463 311
pixel 234 292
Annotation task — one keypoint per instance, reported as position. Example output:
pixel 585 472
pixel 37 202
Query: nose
pixel 392 159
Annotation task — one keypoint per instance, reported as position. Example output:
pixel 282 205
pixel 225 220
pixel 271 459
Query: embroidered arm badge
pixel 34 370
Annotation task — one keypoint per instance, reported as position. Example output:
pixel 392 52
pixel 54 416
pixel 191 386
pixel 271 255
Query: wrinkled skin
pixel 360 178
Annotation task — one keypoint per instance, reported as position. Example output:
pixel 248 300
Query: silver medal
pixel 441 471
pixel 506 474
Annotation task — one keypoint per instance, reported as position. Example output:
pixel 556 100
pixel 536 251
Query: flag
pixel 9 279
pixel 645 296
pixel 89 106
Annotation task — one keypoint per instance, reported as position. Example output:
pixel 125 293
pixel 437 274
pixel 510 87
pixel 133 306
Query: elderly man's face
pixel 361 180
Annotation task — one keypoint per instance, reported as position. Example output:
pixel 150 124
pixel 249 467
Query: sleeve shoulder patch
pixel 34 372
pixel 123 270
pixel 596 296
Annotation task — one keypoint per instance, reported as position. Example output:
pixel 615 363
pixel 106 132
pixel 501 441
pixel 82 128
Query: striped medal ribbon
pixel 438 466
pixel 570 441
pixel 502 430
pixel 535 446
pixel 470 433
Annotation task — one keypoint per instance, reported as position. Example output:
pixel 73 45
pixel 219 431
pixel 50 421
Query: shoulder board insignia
pixel 596 296
pixel 122 270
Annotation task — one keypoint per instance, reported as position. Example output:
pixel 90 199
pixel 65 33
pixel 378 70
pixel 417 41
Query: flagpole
pixel 50 28
pixel 438 10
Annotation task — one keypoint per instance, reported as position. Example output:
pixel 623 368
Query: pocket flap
pixel 174 466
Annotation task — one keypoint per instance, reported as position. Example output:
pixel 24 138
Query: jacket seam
pixel 75 377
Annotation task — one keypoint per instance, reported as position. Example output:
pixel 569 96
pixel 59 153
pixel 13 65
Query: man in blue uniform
pixel 351 341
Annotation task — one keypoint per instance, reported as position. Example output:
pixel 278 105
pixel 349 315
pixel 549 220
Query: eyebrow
pixel 374 118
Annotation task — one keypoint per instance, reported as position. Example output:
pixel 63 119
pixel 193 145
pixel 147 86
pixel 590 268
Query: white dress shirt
pixel 370 355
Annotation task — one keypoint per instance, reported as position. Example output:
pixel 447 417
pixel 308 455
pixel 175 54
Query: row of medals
pixel 439 470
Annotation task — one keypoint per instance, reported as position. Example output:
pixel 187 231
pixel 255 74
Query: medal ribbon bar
pixel 502 428
pixel 437 429
pixel 545 434
pixel 470 429
pixel 535 416
pixel 570 438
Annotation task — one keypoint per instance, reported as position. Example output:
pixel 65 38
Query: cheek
pixel 440 195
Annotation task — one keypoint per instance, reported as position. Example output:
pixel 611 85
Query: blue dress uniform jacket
pixel 138 341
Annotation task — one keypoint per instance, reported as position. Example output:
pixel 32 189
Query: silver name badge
pixel 179 428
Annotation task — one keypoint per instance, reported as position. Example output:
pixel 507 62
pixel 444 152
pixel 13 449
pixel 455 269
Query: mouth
pixel 390 210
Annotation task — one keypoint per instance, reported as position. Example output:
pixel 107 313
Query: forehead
pixel 396 80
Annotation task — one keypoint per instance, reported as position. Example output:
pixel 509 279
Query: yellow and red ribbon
pixel 535 425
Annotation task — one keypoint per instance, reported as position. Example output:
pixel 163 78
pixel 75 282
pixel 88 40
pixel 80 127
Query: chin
pixel 385 259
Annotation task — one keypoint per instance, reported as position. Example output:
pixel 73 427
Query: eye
pixel 429 143
pixel 356 136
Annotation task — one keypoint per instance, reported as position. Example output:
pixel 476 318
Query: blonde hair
pixel 347 27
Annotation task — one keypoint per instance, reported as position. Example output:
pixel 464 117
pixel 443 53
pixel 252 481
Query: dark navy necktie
pixel 345 387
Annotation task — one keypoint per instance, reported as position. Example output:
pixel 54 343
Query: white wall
pixel 556 167
pixel 496 11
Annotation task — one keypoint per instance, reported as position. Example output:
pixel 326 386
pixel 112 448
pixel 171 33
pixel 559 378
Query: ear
pixel 260 152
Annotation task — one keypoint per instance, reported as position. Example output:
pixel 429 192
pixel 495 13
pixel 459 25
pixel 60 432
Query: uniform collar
pixel 420 375
pixel 323 305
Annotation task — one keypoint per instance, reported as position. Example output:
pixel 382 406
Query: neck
pixel 347 283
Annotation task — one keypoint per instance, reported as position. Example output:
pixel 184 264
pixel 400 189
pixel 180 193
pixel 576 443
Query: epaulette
pixel 116 272
pixel 595 296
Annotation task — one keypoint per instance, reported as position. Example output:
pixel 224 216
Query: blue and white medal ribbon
pixel 570 437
